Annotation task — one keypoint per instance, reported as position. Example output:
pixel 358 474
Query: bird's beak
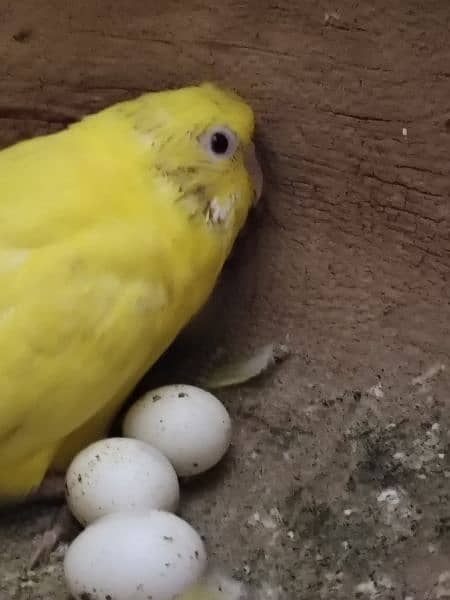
pixel 254 170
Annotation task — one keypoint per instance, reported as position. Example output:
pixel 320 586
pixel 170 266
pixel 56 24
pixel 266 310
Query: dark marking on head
pixel 182 395
pixel 196 190
pixel 182 170
pixel 182 176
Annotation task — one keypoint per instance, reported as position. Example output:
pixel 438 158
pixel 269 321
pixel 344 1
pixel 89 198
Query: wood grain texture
pixel 349 256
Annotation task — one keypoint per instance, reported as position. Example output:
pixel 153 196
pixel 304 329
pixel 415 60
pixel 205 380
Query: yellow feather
pixel 107 249
pixel 199 592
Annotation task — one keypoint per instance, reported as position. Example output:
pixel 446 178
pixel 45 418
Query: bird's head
pixel 199 147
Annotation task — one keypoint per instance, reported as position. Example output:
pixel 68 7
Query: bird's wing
pixel 77 321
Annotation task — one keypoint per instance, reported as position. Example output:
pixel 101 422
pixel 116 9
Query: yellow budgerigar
pixel 113 233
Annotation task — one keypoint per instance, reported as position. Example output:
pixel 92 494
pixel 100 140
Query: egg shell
pixel 118 474
pixel 135 556
pixel 188 424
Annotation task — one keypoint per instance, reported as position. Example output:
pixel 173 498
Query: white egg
pixel 135 556
pixel 189 425
pixel 118 474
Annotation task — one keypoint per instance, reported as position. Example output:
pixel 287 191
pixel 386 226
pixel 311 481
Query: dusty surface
pixel 338 483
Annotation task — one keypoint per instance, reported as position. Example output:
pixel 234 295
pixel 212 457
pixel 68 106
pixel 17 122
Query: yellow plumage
pixel 112 236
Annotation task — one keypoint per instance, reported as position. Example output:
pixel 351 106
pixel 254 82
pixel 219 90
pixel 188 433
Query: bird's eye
pixel 220 142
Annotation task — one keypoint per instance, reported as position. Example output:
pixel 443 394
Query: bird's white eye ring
pixel 219 142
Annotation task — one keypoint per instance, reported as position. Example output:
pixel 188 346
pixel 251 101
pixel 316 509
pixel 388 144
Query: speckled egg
pixel 118 474
pixel 135 556
pixel 188 424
